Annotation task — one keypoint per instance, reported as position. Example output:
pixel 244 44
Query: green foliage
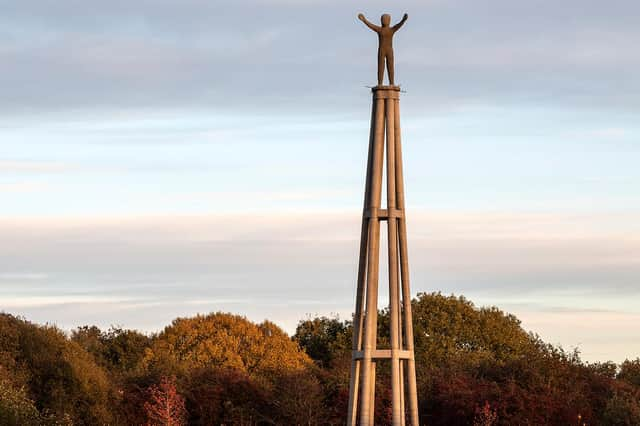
pixel 297 398
pixel 469 357
pixel 607 369
pixel 474 366
pixel 62 378
pixel 116 349
pixel 225 396
pixel 630 371
pixel 323 338
pixel 450 331
pixel 15 406
pixel 622 409
pixel 16 409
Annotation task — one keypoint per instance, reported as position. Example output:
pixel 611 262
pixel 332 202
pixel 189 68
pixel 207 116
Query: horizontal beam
pixel 386 94
pixel 382 214
pixel 383 354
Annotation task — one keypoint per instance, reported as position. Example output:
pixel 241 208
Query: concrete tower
pixel 384 144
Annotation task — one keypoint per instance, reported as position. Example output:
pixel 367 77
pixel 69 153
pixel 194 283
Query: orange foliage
pixel 222 340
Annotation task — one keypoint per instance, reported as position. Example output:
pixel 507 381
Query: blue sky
pixel 171 157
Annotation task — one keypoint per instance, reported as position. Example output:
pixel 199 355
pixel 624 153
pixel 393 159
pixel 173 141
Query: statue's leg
pixel 380 66
pixel 390 66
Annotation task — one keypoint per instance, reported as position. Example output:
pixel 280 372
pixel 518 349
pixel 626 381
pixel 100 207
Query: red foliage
pixel 485 416
pixel 225 396
pixel 165 407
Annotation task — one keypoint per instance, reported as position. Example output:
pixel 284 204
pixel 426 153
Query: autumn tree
pixel 622 409
pixel 222 340
pixel 474 364
pixel 215 356
pixel 15 406
pixel 226 396
pixel 468 357
pixel 323 339
pixel 117 349
pixel 485 416
pixel 630 372
pixel 60 377
pixel 297 397
pixel 165 407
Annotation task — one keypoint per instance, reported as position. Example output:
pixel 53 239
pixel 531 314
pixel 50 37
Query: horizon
pixel 163 160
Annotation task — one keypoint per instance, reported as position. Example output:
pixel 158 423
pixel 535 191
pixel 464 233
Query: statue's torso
pixel 385 37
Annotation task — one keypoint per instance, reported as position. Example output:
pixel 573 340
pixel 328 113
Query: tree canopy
pixel 475 366
pixel 224 341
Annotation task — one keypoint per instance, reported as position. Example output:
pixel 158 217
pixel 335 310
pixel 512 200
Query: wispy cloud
pixel 20 187
pixel 168 54
pixel 17 303
pixel 7 166
pixel 519 139
pixel 538 265
pixel 597 335
pixel 22 276
pixel 610 133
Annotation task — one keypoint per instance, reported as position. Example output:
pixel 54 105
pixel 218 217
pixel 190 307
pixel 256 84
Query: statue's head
pixel 385 19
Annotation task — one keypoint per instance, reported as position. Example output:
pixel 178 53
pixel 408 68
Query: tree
pixel 622 409
pixel 297 397
pixel 90 339
pixel 474 365
pixel 485 416
pixel 165 406
pixel 630 372
pixel 117 349
pixel 226 396
pixel 323 339
pixel 15 406
pixel 607 369
pixel 219 356
pixel 451 331
pixel 58 375
pixel 222 340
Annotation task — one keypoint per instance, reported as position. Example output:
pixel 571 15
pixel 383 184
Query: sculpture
pixel 385 43
pixel 395 355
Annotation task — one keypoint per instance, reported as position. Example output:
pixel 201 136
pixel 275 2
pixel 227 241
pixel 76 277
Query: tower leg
pixel 358 317
pixel 404 269
pixel 372 396
pixel 373 260
pixel 392 234
pixel 402 381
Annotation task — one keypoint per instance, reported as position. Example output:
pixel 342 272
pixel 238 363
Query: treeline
pixel 474 367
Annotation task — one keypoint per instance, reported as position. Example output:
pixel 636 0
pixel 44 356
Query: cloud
pixel 24 187
pixel 607 133
pixel 257 55
pixel 13 303
pixel 241 107
pixel 19 276
pixel 19 167
pixel 599 336
pixel 148 269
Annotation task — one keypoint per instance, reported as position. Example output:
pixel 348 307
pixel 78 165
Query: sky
pixel 171 157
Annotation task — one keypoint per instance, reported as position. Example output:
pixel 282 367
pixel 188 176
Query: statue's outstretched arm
pixel 367 23
pixel 397 26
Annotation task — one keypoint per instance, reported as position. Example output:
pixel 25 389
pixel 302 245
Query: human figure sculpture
pixel 385 43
